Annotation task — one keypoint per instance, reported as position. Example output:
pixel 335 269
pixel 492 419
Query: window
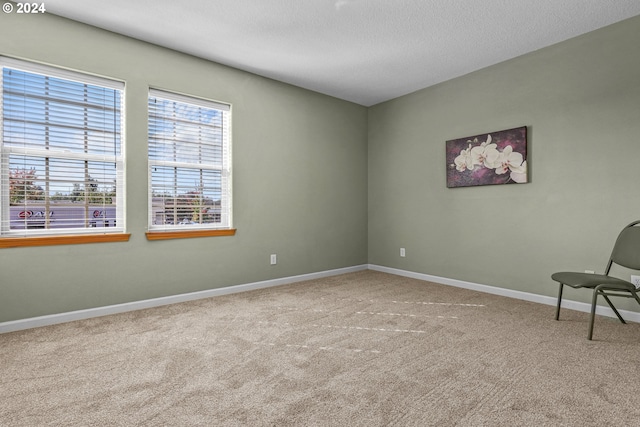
pixel 189 163
pixel 62 163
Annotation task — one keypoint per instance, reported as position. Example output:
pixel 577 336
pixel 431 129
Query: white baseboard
pixel 35 322
pixel 526 296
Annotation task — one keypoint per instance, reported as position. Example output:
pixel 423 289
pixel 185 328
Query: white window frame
pixel 224 166
pixel 117 158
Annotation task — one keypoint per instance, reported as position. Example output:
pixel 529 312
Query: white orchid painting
pixel 488 159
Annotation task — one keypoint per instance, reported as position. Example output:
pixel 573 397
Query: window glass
pixel 62 166
pixel 189 163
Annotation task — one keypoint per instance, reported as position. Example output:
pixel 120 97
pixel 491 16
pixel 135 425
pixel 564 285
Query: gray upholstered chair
pixel 626 253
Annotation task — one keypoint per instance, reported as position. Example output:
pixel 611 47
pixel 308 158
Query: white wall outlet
pixel 636 281
pixel 274 259
pixel 590 271
pixel 402 252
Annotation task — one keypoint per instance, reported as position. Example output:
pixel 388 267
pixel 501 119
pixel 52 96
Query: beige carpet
pixel 361 349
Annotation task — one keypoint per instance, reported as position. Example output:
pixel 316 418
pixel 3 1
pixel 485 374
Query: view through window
pixel 189 163
pixel 62 166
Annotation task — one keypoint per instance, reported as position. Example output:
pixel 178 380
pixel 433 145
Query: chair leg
pixel 594 301
pixel 606 298
pixel 559 301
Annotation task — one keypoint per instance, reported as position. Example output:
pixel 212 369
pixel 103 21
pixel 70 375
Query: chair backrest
pixel 626 251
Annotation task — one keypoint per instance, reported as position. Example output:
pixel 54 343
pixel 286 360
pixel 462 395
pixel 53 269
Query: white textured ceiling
pixel 364 51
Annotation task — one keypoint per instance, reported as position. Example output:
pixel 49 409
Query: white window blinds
pixel 62 165
pixel 189 163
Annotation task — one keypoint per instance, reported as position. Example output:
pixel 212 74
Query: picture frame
pixel 493 158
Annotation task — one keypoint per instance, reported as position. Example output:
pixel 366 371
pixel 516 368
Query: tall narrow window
pixel 189 163
pixel 62 167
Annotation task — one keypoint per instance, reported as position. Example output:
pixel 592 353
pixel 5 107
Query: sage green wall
pixel 580 100
pixel 299 171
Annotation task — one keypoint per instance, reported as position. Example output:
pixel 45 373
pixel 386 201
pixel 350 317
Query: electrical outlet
pixel 590 271
pixel 274 259
pixel 402 252
pixel 636 281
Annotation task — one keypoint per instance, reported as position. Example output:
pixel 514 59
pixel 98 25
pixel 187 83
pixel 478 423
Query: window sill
pixel 16 242
pixel 165 235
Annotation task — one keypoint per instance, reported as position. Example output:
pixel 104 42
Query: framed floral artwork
pixel 488 159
